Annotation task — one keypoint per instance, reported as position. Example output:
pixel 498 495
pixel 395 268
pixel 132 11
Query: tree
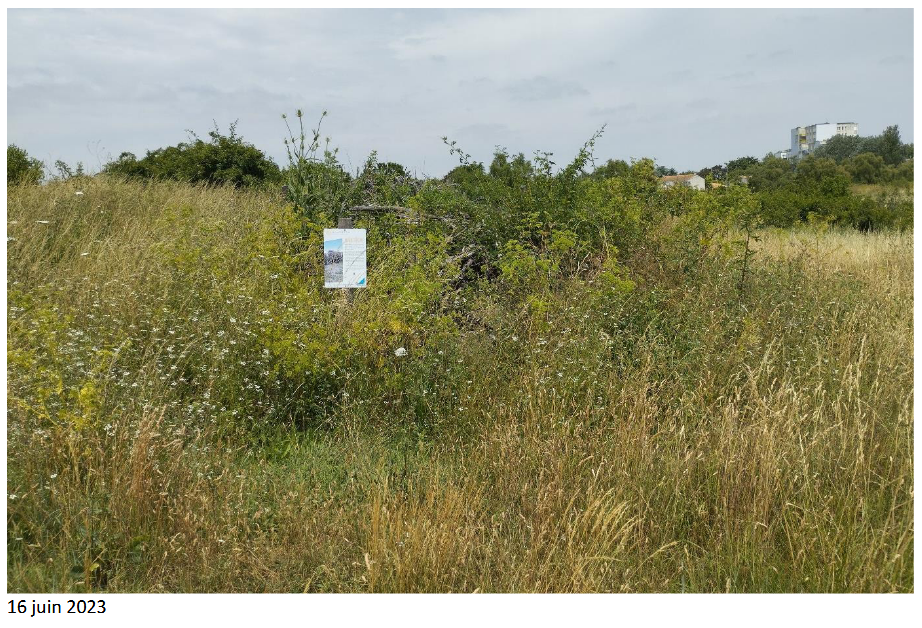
pixel 65 172
pixel 740 165
pixel 898 174
pixel 822 175
pixel 887 145
pixel 20 168
pixel 465 175
pixel 717 173
pixel 642 180
pixel 391 169
pixel 223 160
pixel 612 168
pixel 663 171
pixel 841 147
pixel 772 173
pixel 891 148
pixel 865 168
pixel 510 172
pixel 383 183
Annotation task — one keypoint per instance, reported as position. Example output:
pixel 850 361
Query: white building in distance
pixel 693 181
pixel 806 139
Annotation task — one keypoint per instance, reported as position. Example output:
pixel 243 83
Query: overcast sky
pixel 690 88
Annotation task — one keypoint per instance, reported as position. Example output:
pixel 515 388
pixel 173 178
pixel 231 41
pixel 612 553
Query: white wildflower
pixel 400 352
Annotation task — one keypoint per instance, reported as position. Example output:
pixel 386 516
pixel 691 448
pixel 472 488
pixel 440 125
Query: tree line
pixel 788 190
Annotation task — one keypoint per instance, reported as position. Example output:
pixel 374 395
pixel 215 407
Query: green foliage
pixel 20 168
pixel 865 168
pixel 383 184
pixel 842 147
pixel 612 168
pixel 315 182
pixel 819 184
pixel 770 174
pixel 740 166
pixel 716 173
pixel 901 174
pixel 792 190
pixel 891 147
pixel 65 173
pixel 888 146
pixel 821 175
pixel 222 160
pixel 513 173
pixel 466 176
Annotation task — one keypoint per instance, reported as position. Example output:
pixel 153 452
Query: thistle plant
pixel 315 180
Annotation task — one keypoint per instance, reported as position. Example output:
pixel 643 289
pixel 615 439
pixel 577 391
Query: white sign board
pixel 344 258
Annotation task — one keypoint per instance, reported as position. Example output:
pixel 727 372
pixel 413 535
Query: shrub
pixel 20 168
pixel 222 160
pixel 865 168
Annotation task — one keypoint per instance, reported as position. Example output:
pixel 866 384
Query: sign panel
pixel 344 258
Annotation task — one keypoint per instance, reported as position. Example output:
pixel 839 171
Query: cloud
pixel 509 42
pixel 478 81
pixel 738 76
pixel 415 41
pixel 541 88
pixel 895 60
pixel 778 54
pixel 701 103
pixel 482 130
pixel 613 110
pixel 397 81
pixel 674 75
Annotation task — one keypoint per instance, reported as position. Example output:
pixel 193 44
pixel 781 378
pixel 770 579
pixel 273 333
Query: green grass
pixel 190 411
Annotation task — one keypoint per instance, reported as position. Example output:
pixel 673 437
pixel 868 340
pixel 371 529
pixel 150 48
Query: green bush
pixel 865 168
pixel 222 160
pixel 20 168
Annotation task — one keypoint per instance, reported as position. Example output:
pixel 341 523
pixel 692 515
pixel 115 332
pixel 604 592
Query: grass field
pixel 188 410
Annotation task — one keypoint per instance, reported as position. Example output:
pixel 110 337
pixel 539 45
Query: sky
pixel 689 88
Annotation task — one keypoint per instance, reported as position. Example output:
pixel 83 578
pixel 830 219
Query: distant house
pixel 689 180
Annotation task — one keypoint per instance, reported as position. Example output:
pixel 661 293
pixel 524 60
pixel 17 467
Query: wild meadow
pixel 552 383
